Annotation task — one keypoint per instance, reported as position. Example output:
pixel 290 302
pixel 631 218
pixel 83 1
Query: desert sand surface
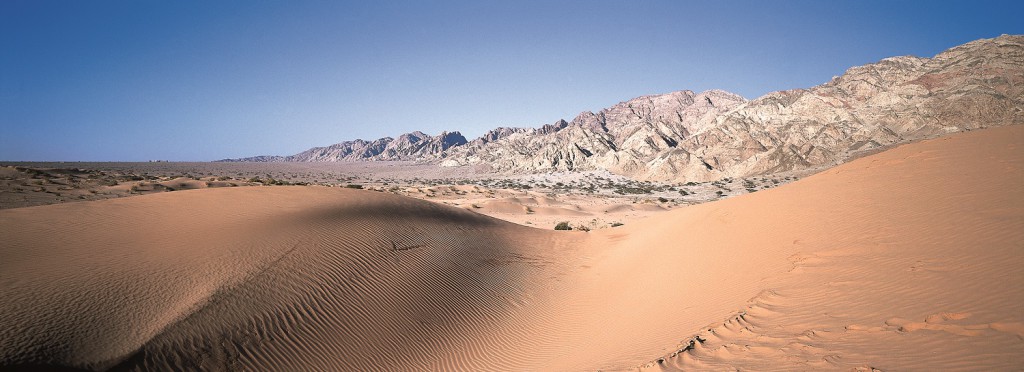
pixel 910 259
pixel 584 200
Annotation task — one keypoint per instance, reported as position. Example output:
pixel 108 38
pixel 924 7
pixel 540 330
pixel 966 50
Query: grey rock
pixel 683 136
pixel 687 136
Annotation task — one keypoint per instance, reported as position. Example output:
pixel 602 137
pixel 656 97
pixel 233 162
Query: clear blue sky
pixel 205 80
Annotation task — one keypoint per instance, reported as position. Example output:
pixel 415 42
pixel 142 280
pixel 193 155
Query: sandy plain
pixel 585 200
pixel 912 258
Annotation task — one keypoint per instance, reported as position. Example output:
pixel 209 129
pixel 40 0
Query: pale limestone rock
pixel 687 136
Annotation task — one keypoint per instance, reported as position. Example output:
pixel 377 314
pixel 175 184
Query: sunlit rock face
pixel 688 136
pixel 714 134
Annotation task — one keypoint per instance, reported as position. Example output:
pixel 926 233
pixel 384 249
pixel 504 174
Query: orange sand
pixel 908 259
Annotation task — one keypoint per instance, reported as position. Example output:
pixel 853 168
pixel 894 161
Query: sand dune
pixel 908 259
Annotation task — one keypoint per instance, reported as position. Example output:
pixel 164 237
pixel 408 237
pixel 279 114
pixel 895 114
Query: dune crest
pixel 911 258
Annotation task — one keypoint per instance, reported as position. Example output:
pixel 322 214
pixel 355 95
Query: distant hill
pixel 687 136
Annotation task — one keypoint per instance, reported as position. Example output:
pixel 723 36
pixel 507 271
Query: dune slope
pixel 911 258
pixel 908 259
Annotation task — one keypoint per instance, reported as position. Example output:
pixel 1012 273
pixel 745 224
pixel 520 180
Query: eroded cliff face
pixel 687 136
pixel 621 138
pixel 715 134
pixel 410 146
pixel 895 100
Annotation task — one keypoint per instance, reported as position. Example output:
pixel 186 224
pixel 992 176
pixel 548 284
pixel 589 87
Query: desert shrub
pixel 623 190
pixel 564 225
pixel 617 224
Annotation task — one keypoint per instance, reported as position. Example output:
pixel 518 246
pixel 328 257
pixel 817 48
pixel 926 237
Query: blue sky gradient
pixel 205 80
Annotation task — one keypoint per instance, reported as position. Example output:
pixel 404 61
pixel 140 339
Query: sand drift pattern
pixel 911 258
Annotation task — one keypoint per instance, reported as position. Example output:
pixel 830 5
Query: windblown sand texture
pixel 908 259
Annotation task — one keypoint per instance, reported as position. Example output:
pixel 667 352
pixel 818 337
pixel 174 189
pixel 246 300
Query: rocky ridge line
pixel 687 136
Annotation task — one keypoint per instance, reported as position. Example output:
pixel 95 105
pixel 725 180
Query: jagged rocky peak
pixel 553 127
pixel 413 137
pixel 590 121
pixel 688 136
pixel 499 133
pixel 418 145
pixel 680 110
pixel 409 146
pixel 446 140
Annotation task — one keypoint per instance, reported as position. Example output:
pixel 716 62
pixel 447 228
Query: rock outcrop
pixel 622 138
pixel 684 136
pixel 410 146
pixel 687 136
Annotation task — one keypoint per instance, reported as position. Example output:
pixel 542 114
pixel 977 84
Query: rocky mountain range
pixel 410 146
pixel 687 136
